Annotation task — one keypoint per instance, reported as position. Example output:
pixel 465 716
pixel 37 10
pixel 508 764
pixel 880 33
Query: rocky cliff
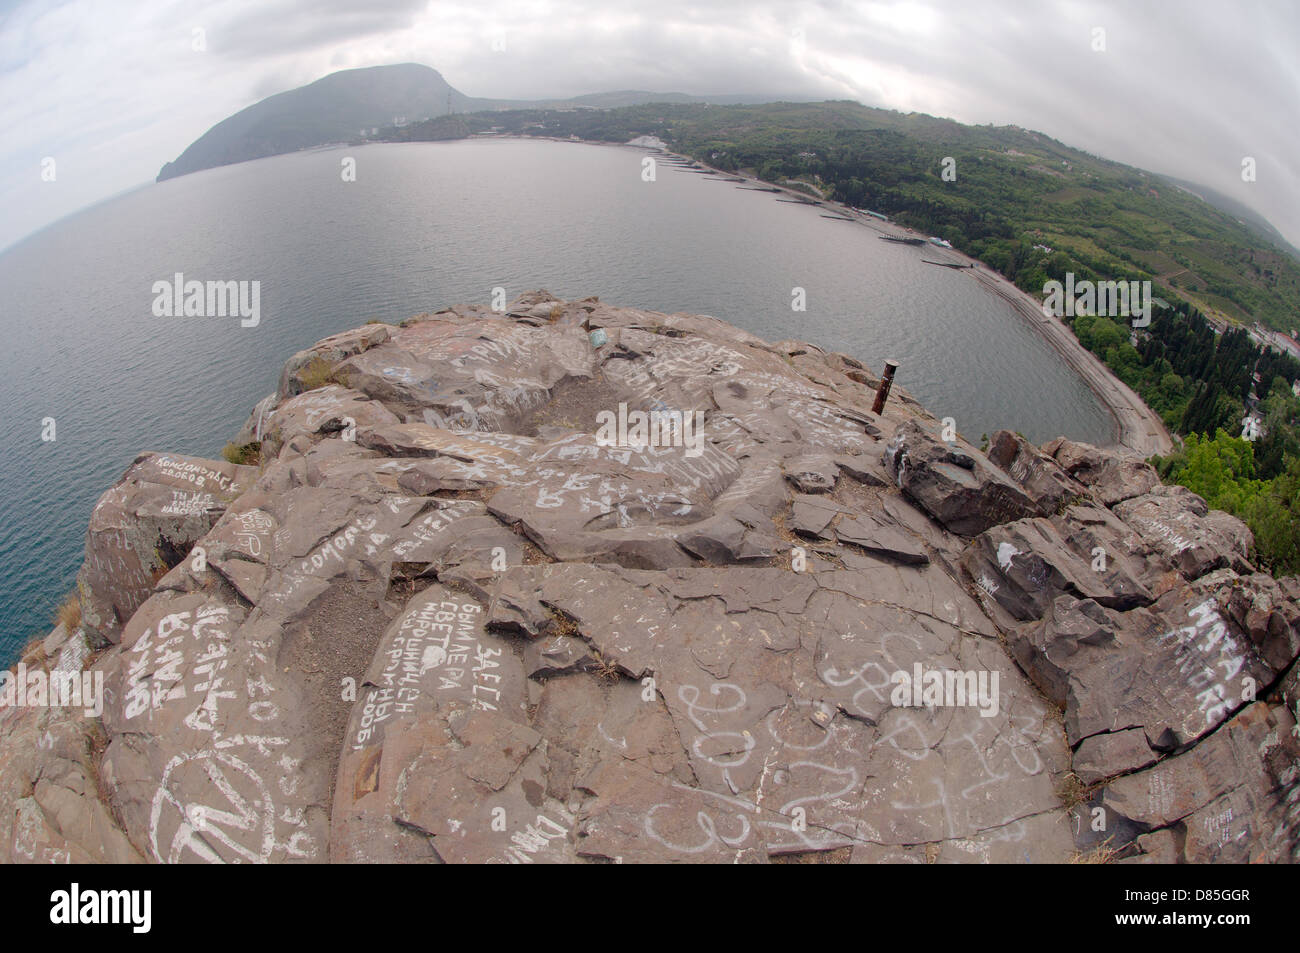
pixel 454 615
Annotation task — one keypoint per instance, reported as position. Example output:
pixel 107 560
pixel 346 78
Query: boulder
pixel 1232 797
pixel 811 516
pixel 1264 608
pixel 1038 474
pixel 1025 565
pixel 1113 476
pixel 812 472
pixel 1100 538
pixel 145 525
pixel 1197 539
pixel 1112 753
pixel 1176 670
pixel 953 483
pixel 865 468
pixel 191 769
pixel 330 351
pixel 330 411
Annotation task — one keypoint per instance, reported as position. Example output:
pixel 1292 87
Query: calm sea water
pixel 423 226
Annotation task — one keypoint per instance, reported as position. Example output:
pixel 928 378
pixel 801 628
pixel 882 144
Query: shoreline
pixel 1138 427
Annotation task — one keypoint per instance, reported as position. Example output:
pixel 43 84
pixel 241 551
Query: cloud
pixel 1186 89
pixel 281 28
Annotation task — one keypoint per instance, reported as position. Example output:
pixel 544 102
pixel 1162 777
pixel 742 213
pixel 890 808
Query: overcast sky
pixel 112 89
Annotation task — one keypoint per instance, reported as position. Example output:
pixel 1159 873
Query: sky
pixel 109 90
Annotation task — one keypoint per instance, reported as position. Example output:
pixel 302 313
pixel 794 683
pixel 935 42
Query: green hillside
pixel 1014 189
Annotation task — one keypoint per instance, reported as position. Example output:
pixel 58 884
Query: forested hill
pixel 340 108
pixel 1013 190
pixel 333 109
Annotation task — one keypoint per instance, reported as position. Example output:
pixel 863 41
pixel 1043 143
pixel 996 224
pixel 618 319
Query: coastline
pixel 1138 428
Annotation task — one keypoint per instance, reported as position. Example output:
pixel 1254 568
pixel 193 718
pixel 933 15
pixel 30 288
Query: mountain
pixel 333 109
pixel 340 106
pixel 626 97
pixel 1238 210
pixel 641 97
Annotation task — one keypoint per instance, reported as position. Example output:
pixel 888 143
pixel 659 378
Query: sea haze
pixel 426 225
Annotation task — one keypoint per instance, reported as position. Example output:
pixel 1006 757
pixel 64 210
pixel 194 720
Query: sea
pixel 420 226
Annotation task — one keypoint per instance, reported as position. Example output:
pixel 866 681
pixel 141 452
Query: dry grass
pixel 249 454
pixel 532 555
pixel 1101 854
pixel 787 534
pixel 317 373
pixel 1071 791
pixel 69 613
pixel 606 670
pixel 404 587
pixel 561 624
pixel 33 653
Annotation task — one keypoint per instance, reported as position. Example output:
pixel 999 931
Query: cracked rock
pixel 456 615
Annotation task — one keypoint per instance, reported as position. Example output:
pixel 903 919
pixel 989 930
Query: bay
pixel 423 226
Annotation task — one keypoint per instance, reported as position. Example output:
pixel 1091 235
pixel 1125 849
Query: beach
pixel 1138 428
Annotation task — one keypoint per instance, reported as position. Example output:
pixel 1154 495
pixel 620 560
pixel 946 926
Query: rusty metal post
pixel 882 392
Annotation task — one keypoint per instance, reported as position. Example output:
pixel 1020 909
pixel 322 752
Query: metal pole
pixel 882 392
